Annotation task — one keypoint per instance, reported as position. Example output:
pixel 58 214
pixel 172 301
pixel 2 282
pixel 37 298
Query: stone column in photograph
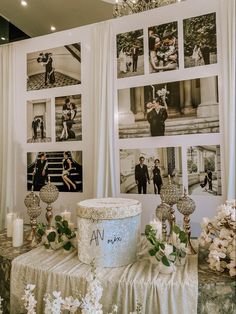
pixel 209 106
pixel 47 122
pixel 30 118
pixel 139 103
pixel 126 116
pixel 188 109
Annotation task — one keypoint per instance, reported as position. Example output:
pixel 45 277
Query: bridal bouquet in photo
pixel 167 254
pixel 219 236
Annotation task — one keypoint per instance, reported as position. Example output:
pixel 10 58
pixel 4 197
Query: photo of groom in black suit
pixel 142 176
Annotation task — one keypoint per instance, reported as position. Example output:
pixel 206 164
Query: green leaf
pixel 65 223
pixel 162 245
pixel 157 246
pixel 58 218
pixel 67 246
pixel 40 232
pixel 176 229
pixel 67 231
pixel 148 228
pixel 183 237
pixel 47 245
pixel 165 261
pixel 51 236
pixel 152 252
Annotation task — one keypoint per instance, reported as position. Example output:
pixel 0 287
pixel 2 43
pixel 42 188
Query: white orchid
pixel 232 267
pixel 156 225
pixel 1 312
pixel 29 299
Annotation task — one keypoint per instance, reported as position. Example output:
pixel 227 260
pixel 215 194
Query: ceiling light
pixel 24 3
pixel 53 28
pixel 3 38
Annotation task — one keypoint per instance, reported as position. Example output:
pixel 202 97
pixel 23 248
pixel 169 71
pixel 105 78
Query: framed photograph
pixel 200 46
pixel 68 118
pixel 175 108
pixel 163 47
pixel 63 167
pixel 146 170
pixel 55 67
pixel 130 51
pixel 39 121
pixel 204 170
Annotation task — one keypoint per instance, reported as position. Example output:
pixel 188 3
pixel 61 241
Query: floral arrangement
pixel 55 304
pixel 218 235
pixel 166 253
pixel 162 92
pixel 59 236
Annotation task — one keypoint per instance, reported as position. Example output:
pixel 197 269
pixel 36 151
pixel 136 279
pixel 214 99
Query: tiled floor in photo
pixel 36 81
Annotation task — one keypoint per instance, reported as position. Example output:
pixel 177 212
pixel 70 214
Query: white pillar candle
pixel 9 219
pixel 66 215
pixel 17 237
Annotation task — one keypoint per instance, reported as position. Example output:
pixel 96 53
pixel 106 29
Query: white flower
pixel 1 312
pixel 71 304
pixel 157 227
pixel 232 268
pixel 168 249
pixel 226 234
pixel 219 245
pixel 29 299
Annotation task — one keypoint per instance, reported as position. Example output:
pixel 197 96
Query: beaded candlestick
pixel 49 194
pixel 186 206
pixel 162 213
pixel 170 195
pixel 32 199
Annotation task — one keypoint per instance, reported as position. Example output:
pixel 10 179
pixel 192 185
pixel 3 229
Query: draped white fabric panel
pixel 230 96
pixel 7 154
pixel 102 93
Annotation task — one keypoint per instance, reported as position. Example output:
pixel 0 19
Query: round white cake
pixel 108 231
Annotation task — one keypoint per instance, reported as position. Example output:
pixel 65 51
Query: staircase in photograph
pixel 55 172
pixel 76 128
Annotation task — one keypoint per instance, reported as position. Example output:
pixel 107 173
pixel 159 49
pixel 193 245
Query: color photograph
pixel 200 45
pixel 175 108
pixel 64 169
pixel 55 67
pixel 163 47
pixel 39 121
pixel 204 170
pixel 130 53
pixel 146 170
pixel 68 118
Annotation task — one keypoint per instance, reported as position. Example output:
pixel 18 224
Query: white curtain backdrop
pixel 7 165
pixel 230 95
pixel 103 103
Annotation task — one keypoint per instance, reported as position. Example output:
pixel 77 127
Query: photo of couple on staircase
pixel 63 168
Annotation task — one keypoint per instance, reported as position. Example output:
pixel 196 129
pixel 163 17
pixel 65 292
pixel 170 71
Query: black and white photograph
pixel 130 51
pixel 64 169
pixel 204 170
pixel 146 170
pixel 68 117
pixel 175 108
pixel 200 44
pixel 54 67
pixel 163 47
pixel 39 121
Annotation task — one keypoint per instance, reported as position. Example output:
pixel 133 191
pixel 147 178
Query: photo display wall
pixel 168 109
pixel 169 104
pixel 53 86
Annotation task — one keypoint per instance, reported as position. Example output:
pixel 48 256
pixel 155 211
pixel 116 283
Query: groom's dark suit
pixel 141 177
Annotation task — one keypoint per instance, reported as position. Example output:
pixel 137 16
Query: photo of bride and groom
pixel 68 118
